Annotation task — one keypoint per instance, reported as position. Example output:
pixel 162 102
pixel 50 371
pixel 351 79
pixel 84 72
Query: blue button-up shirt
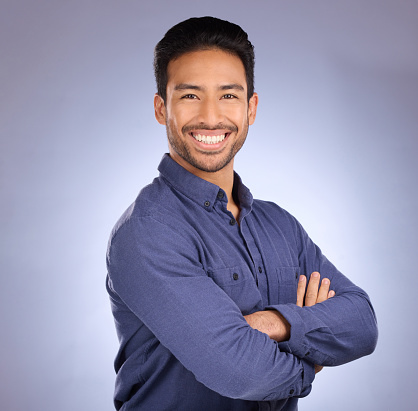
pixel 181 275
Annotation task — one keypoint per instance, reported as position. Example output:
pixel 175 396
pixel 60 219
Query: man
pixel 218 298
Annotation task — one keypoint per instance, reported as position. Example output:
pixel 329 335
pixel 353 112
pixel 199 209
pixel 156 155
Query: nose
pixel 210 112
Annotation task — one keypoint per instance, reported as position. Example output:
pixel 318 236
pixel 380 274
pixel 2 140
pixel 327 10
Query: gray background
pixel 335 143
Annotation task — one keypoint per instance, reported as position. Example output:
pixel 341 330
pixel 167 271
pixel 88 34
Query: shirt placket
pixel 259 271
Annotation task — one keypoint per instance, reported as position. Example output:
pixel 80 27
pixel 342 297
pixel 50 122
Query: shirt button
pixel 307 354
pixel 207 203
pixel 291 391
pixel 232 221
pixel 296 276
pixel 260 270
pixel 220 195
pixel 235 276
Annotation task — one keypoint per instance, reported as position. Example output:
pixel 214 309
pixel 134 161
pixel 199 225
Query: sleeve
pixel 336 331
pixel 156 271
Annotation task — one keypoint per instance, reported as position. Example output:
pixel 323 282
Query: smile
pixel 209 139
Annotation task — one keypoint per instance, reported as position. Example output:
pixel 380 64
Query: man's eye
pixel 228 96
pixel 189 96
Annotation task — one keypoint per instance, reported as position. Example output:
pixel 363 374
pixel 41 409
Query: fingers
pixel 301 291
pixel 312 290
pixel 316 291
pixel 323 291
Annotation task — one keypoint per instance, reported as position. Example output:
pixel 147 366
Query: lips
pixel 206 134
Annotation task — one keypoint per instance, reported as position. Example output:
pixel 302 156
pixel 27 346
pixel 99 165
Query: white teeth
pixel 209 139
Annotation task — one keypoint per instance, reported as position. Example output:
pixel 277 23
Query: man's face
pixel 206 111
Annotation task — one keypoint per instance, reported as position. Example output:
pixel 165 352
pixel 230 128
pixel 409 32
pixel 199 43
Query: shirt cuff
pixel 297 343
pixel 307 378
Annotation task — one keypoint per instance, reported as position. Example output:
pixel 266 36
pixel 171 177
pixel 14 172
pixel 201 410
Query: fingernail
pixel 325 281
pixel 331 293
pixel 302 278
pixel 315 274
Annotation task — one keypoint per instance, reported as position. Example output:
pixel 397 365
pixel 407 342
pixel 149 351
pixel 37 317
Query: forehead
pixel 206 68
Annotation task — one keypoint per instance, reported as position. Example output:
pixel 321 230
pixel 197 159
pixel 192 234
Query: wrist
pixel 282 332
pixel 270 322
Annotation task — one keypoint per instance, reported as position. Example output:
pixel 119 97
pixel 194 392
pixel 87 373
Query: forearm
pixel 270 322
pixel 334 332
pixel 327 334
pixel 340 329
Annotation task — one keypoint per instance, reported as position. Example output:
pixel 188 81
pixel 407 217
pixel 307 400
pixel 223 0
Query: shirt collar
pixel 201 191
pixel 244 196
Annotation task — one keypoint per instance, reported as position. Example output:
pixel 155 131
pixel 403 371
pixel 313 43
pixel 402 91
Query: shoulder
pixel 157 212
pixel 152 201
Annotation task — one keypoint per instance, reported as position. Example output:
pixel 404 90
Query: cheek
pixel 172 120
pixel 236 111
pixel 240 117
pixel 178 117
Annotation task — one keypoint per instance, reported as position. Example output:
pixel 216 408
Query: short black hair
pixel 202 33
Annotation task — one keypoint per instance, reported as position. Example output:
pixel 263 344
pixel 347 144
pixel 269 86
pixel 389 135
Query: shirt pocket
pixel 239 283
pixel 288 278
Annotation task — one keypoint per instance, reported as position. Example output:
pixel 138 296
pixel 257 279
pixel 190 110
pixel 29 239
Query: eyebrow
pixel 232 87
pixel 185 86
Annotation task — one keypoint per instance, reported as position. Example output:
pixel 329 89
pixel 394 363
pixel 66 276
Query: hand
pixel 314 293
pixel 273 324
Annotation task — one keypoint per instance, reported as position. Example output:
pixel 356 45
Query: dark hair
pixel 203 33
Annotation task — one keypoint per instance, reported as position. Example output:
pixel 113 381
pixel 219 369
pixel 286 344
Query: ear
pixel 252 108
pixel 159 109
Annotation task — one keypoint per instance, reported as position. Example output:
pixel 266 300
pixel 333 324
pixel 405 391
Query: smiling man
pixel 217 297
pixel 207 114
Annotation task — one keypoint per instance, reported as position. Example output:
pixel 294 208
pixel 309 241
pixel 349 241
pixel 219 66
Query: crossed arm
pixel 272 323
pixel 188 312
